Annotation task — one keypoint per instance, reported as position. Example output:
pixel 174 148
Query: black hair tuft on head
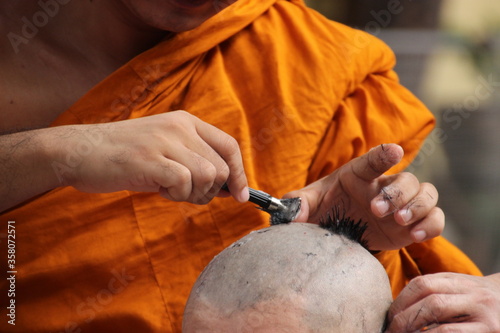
pixel 338 223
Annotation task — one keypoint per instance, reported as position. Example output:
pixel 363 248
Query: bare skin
pixel 52 70
pixel 295 277
pixel 448 302
pixel 399 209
pixel 49 73
pixel 86 41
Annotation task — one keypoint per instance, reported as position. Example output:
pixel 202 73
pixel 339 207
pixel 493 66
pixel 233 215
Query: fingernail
pixel 406 215
pixel 419 235
pixel 382 207
pixel 244 194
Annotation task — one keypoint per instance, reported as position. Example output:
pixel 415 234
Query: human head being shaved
pixel 296 277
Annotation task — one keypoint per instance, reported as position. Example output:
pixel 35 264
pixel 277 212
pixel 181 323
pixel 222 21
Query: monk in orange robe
pixel 302 96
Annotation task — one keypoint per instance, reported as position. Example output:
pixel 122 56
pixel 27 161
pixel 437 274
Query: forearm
pixel 26 168
pixel 175 152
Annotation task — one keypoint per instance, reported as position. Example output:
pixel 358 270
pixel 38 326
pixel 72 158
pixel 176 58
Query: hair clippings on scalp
pixel 340 224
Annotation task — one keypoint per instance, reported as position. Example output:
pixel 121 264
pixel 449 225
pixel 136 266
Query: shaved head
pixel 296 277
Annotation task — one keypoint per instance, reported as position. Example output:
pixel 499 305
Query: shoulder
pixel 356 46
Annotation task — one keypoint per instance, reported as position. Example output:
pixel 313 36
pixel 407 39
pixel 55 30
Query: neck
pixel 103 31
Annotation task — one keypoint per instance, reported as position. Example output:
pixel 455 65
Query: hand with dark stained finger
pixel 447 302
pixel 398 208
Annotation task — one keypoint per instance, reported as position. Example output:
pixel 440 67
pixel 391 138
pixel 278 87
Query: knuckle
pixel 434 222
pixel 436 304
pixel 222 174
pixel 439 217
pixel 430 191
pixel 421 284
pixel 229 144
pixel 177 121
pixel 207 173
pixel 180 113
pixel 182 177
pixel 409 180
pixel 175 181
pixel 438 220
pixel 398 323
pixel 450 329
pixel 408 176
pixel 203 183
pixel 489 300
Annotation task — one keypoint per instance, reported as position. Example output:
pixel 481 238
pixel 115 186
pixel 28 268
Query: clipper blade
pixel 288 213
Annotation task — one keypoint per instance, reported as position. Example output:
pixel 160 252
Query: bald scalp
pixel 297 276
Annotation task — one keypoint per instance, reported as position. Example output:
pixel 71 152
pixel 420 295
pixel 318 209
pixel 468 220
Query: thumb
pixel 367 168
pixel 377 161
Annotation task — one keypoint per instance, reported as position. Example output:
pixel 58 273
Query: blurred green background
pixel 448 54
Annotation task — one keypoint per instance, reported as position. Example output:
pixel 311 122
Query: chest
pixel 37 88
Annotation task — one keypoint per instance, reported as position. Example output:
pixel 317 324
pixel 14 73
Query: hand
pixel 448 302
pixel 399 209
pixel 175 154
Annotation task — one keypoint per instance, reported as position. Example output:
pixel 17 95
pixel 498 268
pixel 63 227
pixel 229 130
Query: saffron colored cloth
pixel 301 94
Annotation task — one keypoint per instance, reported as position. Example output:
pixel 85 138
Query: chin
pixel 184 15
pixel 183 25
pixel 174 15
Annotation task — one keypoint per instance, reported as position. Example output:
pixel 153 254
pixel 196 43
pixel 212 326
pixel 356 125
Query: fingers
pixel 227 148
pixel 437 308
pixel 455 301
pixel 176 153
pixel 421 287
pixel 419 205
pixel 208 171
pixel 175 181
pixel 399 195
pixel 377 161
pixel 429 227
pixel 211 156
pixel 311 196
pixel 306 200
pixel 456 328
pixel 356 177
pixel 413 205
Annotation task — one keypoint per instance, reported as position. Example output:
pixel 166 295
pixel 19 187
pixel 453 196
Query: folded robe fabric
pixel 301 94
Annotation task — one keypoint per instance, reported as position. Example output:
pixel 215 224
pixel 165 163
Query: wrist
pixel 48 146
pixel 64 149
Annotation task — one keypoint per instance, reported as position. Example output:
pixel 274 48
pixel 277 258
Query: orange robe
pixel 301 94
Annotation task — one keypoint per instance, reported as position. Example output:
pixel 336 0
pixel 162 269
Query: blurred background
pixel 448 54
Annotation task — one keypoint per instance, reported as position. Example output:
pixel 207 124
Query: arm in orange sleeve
pixel 378 111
